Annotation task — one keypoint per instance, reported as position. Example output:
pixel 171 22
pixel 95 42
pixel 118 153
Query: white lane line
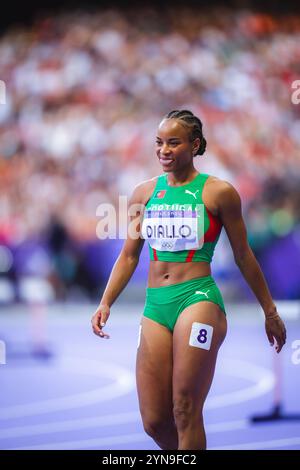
pixel 263 382
pixel 70 425
pixel 101 442
pixel 104 442
pixel 124 382
pixel 262 444
pixel 140 437
pixel 100 422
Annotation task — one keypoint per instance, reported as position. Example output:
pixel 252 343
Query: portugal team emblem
pixel 160 194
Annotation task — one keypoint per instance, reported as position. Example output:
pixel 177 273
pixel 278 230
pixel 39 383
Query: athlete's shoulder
pixel 223 192
pixel 147 184
pixel 143 190
pixel 220 186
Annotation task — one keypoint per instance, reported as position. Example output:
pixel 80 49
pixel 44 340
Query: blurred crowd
pixel 85 92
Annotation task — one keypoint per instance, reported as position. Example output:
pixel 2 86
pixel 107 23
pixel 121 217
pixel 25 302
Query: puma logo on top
pixel 190 192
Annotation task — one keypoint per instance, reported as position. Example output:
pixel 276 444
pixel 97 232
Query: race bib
pixel 174 230
pixel 201 335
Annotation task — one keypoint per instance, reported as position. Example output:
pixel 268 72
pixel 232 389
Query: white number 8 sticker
pixel 201 335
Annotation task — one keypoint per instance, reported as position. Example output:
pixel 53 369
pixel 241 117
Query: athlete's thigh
pixel 194 366
pixel 154 369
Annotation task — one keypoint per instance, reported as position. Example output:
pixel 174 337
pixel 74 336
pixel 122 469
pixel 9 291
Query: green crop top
pixel 177 224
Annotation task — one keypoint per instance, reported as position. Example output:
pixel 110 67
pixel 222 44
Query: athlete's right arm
pixel 127 260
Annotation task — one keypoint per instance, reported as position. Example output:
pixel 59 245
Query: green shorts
pixel 165 304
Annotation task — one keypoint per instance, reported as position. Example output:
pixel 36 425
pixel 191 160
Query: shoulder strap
pixel 203 177
pixel 162 182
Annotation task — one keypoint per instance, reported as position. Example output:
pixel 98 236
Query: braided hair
pixel 193 124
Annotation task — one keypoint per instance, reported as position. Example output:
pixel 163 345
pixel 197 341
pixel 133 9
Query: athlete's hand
pixel 99 320
pixel 275 330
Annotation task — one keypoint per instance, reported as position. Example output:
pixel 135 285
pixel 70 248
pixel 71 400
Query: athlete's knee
pixel 182 411
pixel 185 410
pixel 156 425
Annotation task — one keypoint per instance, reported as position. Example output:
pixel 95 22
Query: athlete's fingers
pixel 99 320
pixel 279 346
pixel 104 317
pixel 104 335
pixel 101 333
pixel 95 327
pixel 281 338
pixel 98 331
pixel 96 322
pixel 270 337
pixel 280 341
pixel 284 334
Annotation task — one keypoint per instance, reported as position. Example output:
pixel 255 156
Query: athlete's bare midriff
pixel 164 273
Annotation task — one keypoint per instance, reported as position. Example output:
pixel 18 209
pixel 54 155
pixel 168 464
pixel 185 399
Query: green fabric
pixel 164 304
pixel 173 197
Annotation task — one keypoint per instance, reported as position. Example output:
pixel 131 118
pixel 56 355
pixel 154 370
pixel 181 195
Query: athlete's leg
pixel 154 383
pixel 193 370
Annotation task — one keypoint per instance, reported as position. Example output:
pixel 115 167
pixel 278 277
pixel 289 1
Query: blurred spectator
pixel 86 91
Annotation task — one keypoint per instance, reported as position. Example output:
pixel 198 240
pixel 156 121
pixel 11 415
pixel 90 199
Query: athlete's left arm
pixel 229 206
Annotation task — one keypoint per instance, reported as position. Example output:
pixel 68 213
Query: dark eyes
pixel 170 143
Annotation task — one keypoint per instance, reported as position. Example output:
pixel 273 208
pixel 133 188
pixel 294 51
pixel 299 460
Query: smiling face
pixel 173 146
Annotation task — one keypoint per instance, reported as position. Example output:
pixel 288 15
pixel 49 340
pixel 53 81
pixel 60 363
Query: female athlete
pixel 184 319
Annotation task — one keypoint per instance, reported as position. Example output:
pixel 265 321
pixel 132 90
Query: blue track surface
pixel 84 396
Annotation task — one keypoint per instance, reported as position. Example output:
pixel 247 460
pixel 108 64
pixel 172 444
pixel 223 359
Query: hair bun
pixel 202 147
